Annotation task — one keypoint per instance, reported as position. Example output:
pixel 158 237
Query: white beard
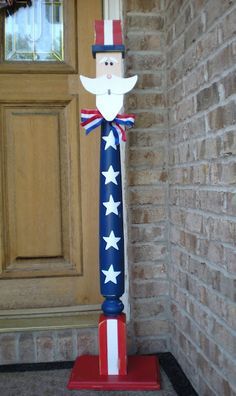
pixel 109 93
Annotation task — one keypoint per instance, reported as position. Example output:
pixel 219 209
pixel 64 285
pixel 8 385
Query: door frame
pixel 48 318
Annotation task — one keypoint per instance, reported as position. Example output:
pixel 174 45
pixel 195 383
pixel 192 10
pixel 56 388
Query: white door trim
pixel 112 9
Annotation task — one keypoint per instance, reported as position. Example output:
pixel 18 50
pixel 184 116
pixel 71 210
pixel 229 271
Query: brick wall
pixel 47 346
pixel 147 152
pixel 201 87
pixel 182 173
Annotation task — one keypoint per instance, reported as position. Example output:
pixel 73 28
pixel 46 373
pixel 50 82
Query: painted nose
pixel 109 76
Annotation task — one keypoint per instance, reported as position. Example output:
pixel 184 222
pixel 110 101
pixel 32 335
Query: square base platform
pixel 143 373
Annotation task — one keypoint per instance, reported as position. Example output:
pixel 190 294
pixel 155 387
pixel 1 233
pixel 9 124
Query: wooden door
pixel 49 169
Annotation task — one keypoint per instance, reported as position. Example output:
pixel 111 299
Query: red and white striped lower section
pixel 112 345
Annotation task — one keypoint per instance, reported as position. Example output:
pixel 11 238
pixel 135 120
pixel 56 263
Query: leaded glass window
pixel 35 33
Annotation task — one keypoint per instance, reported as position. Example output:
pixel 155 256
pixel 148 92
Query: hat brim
pixel 108 48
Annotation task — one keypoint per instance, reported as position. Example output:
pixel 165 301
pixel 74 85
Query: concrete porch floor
pixel 54 382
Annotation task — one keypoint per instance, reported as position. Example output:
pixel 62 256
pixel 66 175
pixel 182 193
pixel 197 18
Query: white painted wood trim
pixel 112 9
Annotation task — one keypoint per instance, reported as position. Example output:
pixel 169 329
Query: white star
pixel 110 175
pixel 111 275
pixel 111 206
pixel 111 241
pixel 110 141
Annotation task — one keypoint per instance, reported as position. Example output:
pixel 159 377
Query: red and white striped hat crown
pixel 108 37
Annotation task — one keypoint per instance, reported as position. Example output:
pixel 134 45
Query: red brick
pixel 230 258
pixel 226 338
pixel 222 116
pixel 207 44
pixel 175 94
pixel 148 119
pixel 175 73
pixel 8 349
pixel 223 230
pixel 150 288
pixel 145 61
pixel 149 307
pixel 147 138
pixel 187 131
pixel 198 6
pixel 228 25
pixel 229 83
pixel 213 251
pixel 148 252
pixel 146 215
pixel 190 61
pixel 149 271
pixel 153 327
pixel 87 341
pixel 231 203
pixel 144 42
pixel 193 32
pixel 204 388
pixel 185 109
pixel 175 51
pixel 221 62
pixel 223 174
pixel 137 100
pixel 180 176
pixel 207 97
pixel 151 345
pixel 147 158
pixel 184 198
pixel 215 9
pixel 183 21
pixel 147 177
pixel 194 80
pixel 173 9
pixel 212 201
pixel 153 195
pixel 147 234
pixel 45 347
pixel 143 6
pixel 65 346
pixel 150 80
pixel 170 36
pixel 145 23
pixel 26 348
pixel 228 144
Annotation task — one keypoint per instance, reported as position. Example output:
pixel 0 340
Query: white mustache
pixel 107 86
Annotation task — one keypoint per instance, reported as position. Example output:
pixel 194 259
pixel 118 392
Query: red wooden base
pixel 143 374
pixel 112 345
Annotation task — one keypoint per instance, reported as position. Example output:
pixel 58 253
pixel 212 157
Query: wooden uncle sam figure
pixel 111 369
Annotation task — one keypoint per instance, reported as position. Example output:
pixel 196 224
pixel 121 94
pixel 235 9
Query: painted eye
pixel 106 63
pixel 111 63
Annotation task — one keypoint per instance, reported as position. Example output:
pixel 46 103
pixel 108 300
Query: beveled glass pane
pixel 35 33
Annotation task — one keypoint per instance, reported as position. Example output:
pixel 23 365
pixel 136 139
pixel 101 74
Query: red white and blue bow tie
pixel 91 119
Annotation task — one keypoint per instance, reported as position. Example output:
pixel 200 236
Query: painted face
pixel 109 64
pixel 109 86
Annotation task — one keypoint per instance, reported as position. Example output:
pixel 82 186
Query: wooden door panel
pixel 41 191
pixel 49 292
pixel 49 177
pixel 33 174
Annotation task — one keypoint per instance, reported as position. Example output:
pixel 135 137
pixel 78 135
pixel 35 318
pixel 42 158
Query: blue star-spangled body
pixel 111 238
pixel 111 246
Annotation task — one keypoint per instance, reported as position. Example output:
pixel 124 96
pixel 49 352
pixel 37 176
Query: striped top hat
pixel 108 37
